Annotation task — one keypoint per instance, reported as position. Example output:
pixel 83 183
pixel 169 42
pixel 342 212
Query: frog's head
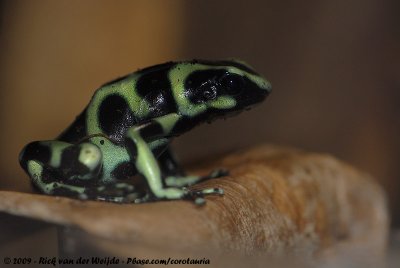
pixel 210 90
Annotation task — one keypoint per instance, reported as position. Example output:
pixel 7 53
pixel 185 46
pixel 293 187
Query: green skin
pixel 85 166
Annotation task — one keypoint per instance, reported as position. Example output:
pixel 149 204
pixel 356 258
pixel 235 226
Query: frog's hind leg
pixel 43 180
pixel 61 168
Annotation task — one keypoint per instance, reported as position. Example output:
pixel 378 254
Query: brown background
pixel 334 67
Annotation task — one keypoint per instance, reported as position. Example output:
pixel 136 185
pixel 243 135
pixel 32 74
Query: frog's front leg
pixel 147 165
pixel 61 168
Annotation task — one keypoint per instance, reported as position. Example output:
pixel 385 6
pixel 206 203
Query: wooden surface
pixel 277 200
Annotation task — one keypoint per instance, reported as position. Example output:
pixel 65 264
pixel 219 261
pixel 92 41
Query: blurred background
pixel 334 67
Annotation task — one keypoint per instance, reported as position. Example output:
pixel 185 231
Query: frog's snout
pixel 251 95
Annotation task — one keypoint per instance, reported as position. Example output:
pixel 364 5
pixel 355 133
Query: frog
pixel 118 148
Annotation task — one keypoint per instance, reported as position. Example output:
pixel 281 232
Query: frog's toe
pixel 199 201
pixel 218 173
pixel 198 195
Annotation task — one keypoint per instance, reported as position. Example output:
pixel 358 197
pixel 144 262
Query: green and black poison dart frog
pixel 127 127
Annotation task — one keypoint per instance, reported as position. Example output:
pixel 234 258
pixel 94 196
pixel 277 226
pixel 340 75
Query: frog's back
pixel 122 103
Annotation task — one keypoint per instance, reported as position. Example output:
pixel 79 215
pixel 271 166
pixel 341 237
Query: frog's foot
pixel 184 193
pixel 198 195
pixel 120 192
pixel 178 181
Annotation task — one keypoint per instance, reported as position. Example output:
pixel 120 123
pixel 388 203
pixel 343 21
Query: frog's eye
pixel 209 93
pixel 232 84
pixel 203 86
